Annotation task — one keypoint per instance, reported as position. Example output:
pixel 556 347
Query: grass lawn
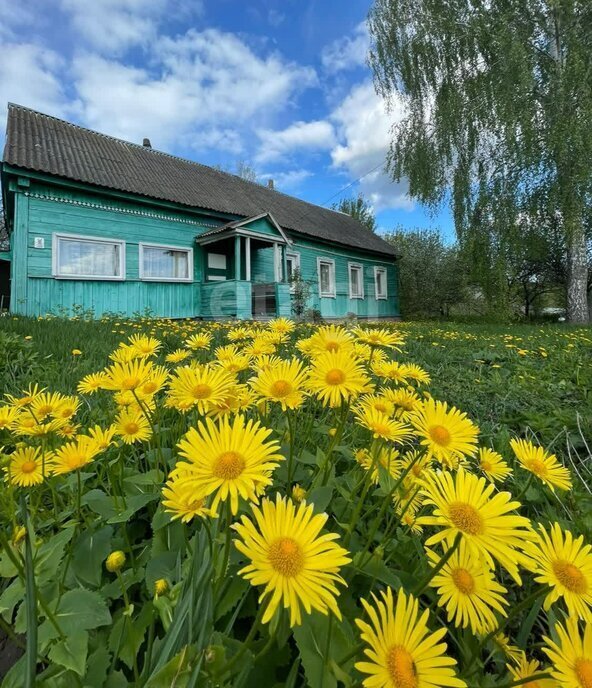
pixel 121 504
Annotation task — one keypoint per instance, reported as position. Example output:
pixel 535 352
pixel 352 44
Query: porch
pixel 244 271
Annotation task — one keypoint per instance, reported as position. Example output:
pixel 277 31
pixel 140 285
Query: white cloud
pixel 286 180
pixel 347 52
pixel 196 84
pixel 29 76
pixel 300 136
pixel 113 26
pixel 363 127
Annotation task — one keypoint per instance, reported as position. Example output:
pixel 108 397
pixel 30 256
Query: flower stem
pixel 439 566
pixel 30 599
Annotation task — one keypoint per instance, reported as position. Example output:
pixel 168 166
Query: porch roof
pixel 242 228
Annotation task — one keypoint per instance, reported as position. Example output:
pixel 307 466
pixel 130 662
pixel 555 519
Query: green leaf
pixel 127 635
pixel 71 652
pixel 13 594
pixel 320 640
pixel 97 667
pixel 376 569
pixel 49 555
pixel 78 610
pixel 320 497
pixel 90 551
pixel 177 672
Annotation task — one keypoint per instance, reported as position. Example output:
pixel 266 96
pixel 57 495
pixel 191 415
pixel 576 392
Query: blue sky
pixel 279 84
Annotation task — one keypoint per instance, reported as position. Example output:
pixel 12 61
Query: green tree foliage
pixel 498 100
pixel 359 208
pixel 431 273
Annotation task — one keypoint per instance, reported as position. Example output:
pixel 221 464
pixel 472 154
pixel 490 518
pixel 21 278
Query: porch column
pixel 276 262
pixel 248 259
pixel 284 263
pixel 237 257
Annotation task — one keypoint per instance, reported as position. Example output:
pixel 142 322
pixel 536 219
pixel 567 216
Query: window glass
pixel 88 258
pixel 355 282
pixel 165 263
pixel 326 278
pixel 380 277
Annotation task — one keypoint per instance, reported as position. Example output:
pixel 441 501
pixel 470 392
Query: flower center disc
pixel 131 428
pixel 229 465
pixel 380 407
pixel 583 669
pixel 486 466
pixel 332 346
pixel 440 435
pixel 335 377
pixel 286 557
pixel 463 581
pixel 149 387
pixel 466 518
pixel 201 391
pixel 28 466
pixel 401 668
pixel 538 467
pixel 571 577
pixel 130 382
pixel 281 388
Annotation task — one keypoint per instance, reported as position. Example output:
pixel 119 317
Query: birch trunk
pixel 577 277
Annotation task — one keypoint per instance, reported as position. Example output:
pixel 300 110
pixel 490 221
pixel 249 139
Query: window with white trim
pixel 326 273
pixel 292 265
pixel 380 288
pixel 166 263
pixel 356 281
pixel 82 257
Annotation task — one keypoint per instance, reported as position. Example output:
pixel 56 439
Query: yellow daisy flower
pixel 25 467
pixel 405 400
pixel 387 458
pixel 103 438
pixel 28 396
pixel 73 456
pixel 416 373
pixel 381 426
pixel 571 655
pixel 127 376
pixel 92 383
pixel 377 402
pixel 143 345
pixel 177 356
pixel 446 433
pixel 468 590
pixel 330 338
pixel 465 504
pixel 228 460
pixel 337 377
pixel 198 386
pixel 180 499
pixel 283 383
pixel 390 370
pixel 493 465
pixel 379 337
pixel 282 325
pixel 545 466
pixel 402 651
pixel 132 426
pixel 297 565
pixel 201 340
pixel 8 417
pixel 565 564
pixel 525 669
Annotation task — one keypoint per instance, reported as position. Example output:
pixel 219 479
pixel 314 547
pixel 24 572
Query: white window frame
pixel 295 256
pixel 57 237
pixel 166 247
pixel 360 268
pixel 329 261
pixel 377 270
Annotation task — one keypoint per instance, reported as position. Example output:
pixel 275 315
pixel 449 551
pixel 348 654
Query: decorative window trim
pixel 377 296
pixel 329 261
pixel 168 247
pixel 293 255
pixel 360 268
pixel 55 251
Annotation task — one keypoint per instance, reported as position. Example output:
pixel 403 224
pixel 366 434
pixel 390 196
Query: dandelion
pixel 229 460
pixel 545 466
pixel 465 504
pixel 446 433
pixel 298 566
pixel 402 651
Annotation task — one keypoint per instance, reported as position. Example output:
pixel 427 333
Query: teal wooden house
pixel 98 223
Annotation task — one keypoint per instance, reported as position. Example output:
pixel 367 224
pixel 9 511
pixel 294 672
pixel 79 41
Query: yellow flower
pixel 199 341
pixel 542 464
pixel 297 566
pixel 67 408
pixel 161 587
pixel 18 534
pixel 115 561
pixel 337 377
pixel 402 651
pixel 229 460
pixel 199 386
pixel 504 644
pixel 177 356
pixel 181 499
pixel 376 402
pixel 406 401
pixel 447 434
pixel 565 564
pixel 466 504
pixel 526 669
pixel 91 383
pixel 377 337
pixel 416 373
pixel 382 426
pixel 282 325
pixel 493 465
pixel 76 352
pixel 45 405
pixel 390 370
pixel 25 467
pixel 28 396
pixel 143 345
pixel 469 591
pixel 132 426
pixel 571 655
pixel 298 493
pixel 127 376
pixel 330 338
pixel 73 456
pixel 8 416
pixel 283 383
pixel 259 347
pixel 386 457
pixel 103 438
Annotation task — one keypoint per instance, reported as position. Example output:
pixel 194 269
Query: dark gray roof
pixel 38 142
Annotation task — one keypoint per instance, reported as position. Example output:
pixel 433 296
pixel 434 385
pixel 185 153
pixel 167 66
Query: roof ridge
pixel 155 151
